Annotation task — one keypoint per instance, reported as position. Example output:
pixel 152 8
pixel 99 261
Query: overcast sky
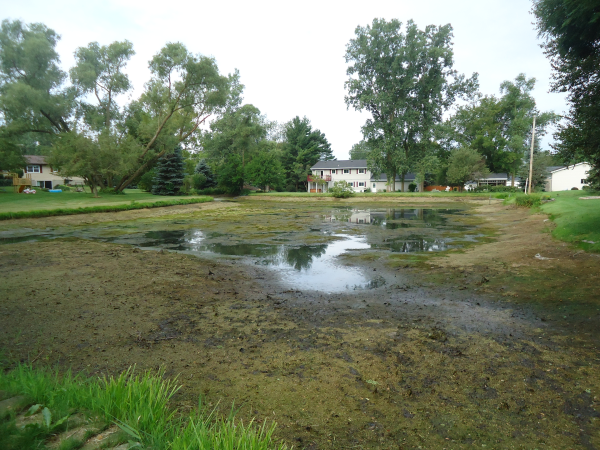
pixel 291 54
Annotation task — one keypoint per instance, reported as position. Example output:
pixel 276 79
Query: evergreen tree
pixel 203 169
pixel 169 174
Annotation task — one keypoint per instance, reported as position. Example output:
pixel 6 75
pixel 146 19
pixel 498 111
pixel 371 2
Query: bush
pixel 530 201
pixel 412 187
pixel 513 189
pixel 342 189
pixel 111 191
pixel 62 187
pixel 367 190
pixel 146 180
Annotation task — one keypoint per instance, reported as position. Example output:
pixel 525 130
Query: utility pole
pixel 531 155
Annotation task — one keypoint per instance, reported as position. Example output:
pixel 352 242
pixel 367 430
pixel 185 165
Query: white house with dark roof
pixel 353 171
pixel 565 178
pixel 43 175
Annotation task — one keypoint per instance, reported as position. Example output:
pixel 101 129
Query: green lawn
pixel 10 202
pixel 576 220
pixel 383 194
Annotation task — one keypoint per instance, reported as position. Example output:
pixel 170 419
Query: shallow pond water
pixel 301 244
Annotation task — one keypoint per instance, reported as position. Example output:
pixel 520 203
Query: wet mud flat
pixel 436 357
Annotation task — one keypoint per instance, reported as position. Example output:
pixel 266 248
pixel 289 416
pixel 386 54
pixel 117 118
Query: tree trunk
pixel 125 182
pixel 402 182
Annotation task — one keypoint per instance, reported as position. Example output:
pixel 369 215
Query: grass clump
pixel 139 403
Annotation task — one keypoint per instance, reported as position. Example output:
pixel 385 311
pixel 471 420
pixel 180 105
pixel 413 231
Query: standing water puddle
pixel 286 250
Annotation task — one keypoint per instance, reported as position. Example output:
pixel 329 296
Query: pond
pixel 302 244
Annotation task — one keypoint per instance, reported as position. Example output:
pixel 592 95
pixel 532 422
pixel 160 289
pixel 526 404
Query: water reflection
pixel 393 218
pixel 301 266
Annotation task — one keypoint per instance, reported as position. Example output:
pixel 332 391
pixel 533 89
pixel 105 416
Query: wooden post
pixel 531 155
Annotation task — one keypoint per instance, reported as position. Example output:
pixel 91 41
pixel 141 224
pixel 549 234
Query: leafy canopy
pixel 406 81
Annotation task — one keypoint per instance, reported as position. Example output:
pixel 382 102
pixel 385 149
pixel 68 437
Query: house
pixel 42 174
pixel 565 178
pixel 355 172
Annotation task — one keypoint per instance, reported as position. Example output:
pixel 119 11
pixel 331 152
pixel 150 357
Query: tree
pixel 541 161
pixel 265 170
pixel 202 168
pixel 99 70
pixel 302 149
pixel 465 164
pixel 95 158
pixel 11 158
pixel 500 128
pixel 184 91
pixel 234 139
pixel 360 150
pixel 406 81
pixel 169 174
pixel 572 42
pixel 32 96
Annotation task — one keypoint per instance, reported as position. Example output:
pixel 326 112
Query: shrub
pixel 111 191
pixel 367 190
pixel 496 189
pixel 342 189
pixel 412 187
pixel 62 187
pixel 530 201
pixel 146 180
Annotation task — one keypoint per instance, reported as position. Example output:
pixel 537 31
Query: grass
pixel 10 202
pixel 138 403
pixel 576 220
pixel 45 204
pixel 385 194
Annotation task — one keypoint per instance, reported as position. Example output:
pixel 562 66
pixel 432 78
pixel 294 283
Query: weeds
pixel 137 403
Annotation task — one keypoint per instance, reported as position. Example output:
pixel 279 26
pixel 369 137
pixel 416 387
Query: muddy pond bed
pixel 314 316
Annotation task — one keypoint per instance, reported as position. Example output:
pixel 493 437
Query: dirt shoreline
pixel 462 351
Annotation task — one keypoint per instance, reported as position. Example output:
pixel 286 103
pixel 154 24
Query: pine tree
pixel 169 174
pixel 203 169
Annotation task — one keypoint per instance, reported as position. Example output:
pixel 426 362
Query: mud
pixel 466 348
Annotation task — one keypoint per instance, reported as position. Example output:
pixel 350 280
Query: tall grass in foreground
pixel 139 404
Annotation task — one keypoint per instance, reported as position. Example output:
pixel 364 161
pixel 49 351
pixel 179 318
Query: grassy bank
pixel 376 195
pixel 20 206
pixel 138 403
pixel 576 220
pixel 10 202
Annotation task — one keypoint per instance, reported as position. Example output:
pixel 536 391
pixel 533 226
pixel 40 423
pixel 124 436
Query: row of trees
pixel 79 118
pixel 428 119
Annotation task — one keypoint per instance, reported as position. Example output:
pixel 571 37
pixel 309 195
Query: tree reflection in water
pixel 302 257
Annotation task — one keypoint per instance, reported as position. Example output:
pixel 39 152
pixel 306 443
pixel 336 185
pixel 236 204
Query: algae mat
pixel 421 363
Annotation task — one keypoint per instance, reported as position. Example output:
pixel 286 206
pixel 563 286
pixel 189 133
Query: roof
pixel 493 176
pixel 383 177
pixel 35 159
pixel 341 164
pixel 558 168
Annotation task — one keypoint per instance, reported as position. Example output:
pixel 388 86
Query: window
pixel 374 185
pixel 333 172
pixel 33 169
pixel 346 171
pixel 361 170
pixel 583 181
pixel 361 184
